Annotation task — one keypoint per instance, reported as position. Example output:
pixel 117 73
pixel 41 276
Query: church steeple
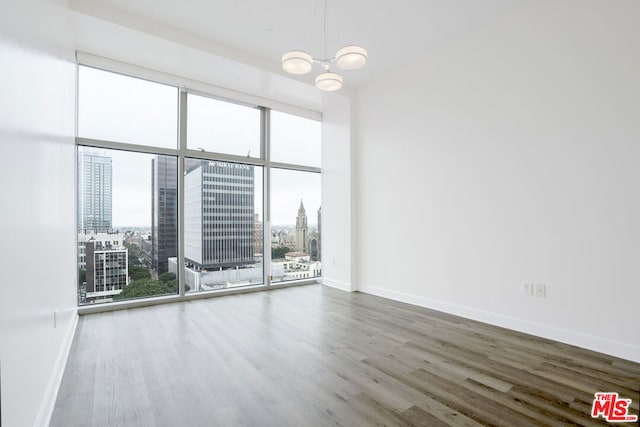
pixel 302 231
pixel 301 220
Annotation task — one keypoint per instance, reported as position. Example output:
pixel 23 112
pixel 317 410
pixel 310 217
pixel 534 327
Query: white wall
pixel 511 156
pixel 37 218
pixel 97 35
pixel 336 192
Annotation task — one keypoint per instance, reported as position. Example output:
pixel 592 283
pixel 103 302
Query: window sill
pixel 168 299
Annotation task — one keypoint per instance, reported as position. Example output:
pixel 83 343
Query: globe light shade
pixel 351 57
pixel 329 81
pixel 297 62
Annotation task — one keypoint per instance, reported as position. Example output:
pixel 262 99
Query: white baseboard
pixel 579 339
pixel 343 286
pixel 49 401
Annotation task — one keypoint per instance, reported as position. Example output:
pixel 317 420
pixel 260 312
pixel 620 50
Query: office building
pixel 319 234
pixel 164 211
pixel 101 239
pixel 219 220
pixel 94 192
pixel 106 267
pixel 258 235
pixel 313 245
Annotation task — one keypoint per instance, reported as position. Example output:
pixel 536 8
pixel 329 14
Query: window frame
pixel 184 87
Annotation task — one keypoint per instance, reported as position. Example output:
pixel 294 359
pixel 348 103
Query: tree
pixel 82 276
pixel 167 277
pixel 146 288
pixel 279 252
pixel 138 273
pixel 170 280
pixel 134 254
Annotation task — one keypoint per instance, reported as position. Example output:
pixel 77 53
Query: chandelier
pixel 351 57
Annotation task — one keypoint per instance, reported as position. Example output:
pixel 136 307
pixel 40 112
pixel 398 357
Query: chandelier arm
pixel 324 61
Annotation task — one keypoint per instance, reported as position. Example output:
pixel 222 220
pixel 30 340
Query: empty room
pixel 319 212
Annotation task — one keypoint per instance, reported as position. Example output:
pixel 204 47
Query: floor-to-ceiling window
pixel 296 214
pixel 181 191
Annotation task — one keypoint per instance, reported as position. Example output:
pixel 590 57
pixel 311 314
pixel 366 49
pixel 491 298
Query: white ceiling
pixel 258 32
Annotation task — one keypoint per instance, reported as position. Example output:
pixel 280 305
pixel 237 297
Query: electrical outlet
pixel 527 289
pixel 541 290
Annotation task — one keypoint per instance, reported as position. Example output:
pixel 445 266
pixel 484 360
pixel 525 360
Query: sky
pixel 121 109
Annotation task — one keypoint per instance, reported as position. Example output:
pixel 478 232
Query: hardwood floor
pixel 315 356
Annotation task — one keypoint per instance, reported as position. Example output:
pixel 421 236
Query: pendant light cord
pixel 326 36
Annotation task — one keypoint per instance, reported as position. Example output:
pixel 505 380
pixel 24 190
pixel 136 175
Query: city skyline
pixel 132 185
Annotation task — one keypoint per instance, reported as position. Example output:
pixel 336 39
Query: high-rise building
pixel 164 211
pixel 218 215
pixel 320 233
pixel 302 230
pixel 258 246
pixel 94 193
pixel 314 239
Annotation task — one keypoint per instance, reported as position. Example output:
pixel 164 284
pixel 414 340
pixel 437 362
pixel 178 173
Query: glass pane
pixel 127 225
pixel 295 140
pixel 120 108
pixel 296 228
pixel 222 225
pixel 222 127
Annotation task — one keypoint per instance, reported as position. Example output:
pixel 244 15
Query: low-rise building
pixel 106 271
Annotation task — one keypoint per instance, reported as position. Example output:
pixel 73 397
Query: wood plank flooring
pixel 316 356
